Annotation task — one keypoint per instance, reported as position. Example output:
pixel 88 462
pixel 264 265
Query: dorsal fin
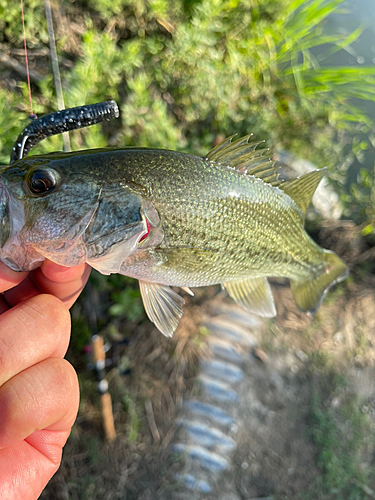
pixel 243 156
pixel 301 189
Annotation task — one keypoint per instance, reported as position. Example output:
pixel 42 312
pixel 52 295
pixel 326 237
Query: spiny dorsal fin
pixel 220 146
pixel 243 156
pixel 301 189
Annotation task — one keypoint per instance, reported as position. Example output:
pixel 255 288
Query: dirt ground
pixel 310 369
pixel 277 454
pixel 306 426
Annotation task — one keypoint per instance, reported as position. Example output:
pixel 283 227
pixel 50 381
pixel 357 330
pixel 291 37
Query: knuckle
pixel 49 308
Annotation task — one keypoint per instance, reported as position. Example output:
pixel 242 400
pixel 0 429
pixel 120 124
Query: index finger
pixel 63 282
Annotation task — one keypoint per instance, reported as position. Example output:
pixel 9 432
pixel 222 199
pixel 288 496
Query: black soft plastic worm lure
pixel 62 121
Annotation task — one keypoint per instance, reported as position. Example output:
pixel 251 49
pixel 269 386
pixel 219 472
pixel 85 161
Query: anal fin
pixel 253 294
pixel 163 306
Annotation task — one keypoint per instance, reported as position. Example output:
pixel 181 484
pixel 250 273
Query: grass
pixel 130 406
pixel 342 434
pixel 341 430
pixel 340 421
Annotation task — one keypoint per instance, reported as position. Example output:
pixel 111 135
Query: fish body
pixel 169 219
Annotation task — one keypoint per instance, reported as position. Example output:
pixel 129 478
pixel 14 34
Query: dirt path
pixel 297 398
pixel 282 410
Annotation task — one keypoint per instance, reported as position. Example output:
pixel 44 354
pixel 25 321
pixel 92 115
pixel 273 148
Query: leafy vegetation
pixel 341 432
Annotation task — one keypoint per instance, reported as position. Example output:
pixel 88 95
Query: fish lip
pixel 5 228
pixel 11 222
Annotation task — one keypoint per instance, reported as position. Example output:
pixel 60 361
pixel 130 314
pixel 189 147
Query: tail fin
pixel 308 295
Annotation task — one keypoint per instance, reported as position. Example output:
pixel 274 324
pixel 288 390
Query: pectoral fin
pixel 254 295
pixel 163 306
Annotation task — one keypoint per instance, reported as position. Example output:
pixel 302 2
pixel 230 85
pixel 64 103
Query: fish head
pixel 65 207
pixel 42 207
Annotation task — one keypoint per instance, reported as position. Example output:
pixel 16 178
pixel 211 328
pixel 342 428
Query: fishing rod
pixel 56 69
pixel 105 397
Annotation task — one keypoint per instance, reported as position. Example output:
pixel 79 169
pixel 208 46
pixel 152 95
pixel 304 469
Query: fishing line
pixel 55 68
pixel 32 116
pixel 58 122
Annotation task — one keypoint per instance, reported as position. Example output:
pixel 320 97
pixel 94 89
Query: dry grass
pixel 146 403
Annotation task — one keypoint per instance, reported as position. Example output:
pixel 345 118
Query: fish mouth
pixel 12 219
pixel 4 215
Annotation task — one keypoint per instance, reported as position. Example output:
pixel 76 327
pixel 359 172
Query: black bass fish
pixel 169 219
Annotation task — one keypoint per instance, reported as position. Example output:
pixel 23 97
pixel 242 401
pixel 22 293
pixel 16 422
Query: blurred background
pixel 186 74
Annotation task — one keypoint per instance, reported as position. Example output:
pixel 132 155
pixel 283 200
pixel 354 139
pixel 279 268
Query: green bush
pixel 185 72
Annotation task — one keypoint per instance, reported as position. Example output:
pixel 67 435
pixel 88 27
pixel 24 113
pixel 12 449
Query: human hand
pixel 39 391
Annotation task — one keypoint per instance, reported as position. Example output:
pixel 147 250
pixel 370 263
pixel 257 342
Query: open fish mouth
pixel 4 215
pixel 12 220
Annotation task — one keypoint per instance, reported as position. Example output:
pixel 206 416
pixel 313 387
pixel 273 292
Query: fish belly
pixel 190 267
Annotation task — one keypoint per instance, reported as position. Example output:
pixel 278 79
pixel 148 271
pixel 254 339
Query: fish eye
pixel 42 181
